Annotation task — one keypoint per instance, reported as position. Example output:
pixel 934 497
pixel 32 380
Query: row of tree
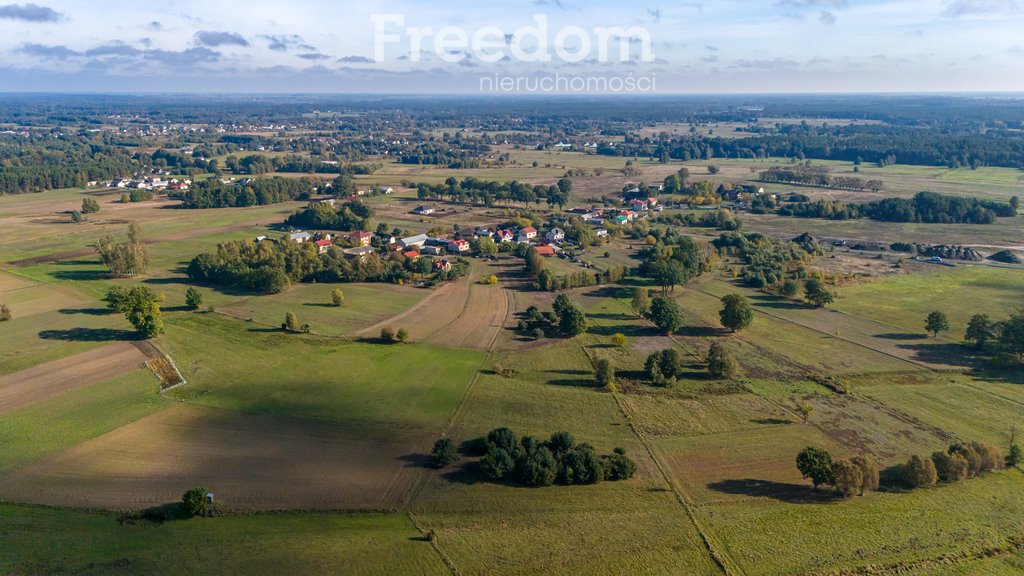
pixel 532 462
pixel 213 193
pixel 924 207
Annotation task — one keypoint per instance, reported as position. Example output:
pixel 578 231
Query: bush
pixel 604 375
pixel 869 473
pixel 193 298
pixel 443 453
pixel 537 333
pixel 194 502
pixel 950 467
pixel 402 335
pixel 337 297
pixel 388 335
pixel 619 340
pixel 721 363
pixel 291 322
pixel 919 472
pixel 847 477
pixel 816 464
pixel 5 313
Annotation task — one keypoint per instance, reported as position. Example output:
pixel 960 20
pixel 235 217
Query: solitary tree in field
pixel 604 375
pixel 194 502
pixel 90 206
pixel 291 322
pixel 402 335
pixel 816 464
pixel 804 409
pixel 141 307
pixel 666 315
pixel 721 362
pixel 193 298
pixel 641 301
pixel 817 293
pixel 443 453
pixel 736 313
pixel 936 322
pixel 979 330
pixel 338 297
pixel 5 313
pixel 619 340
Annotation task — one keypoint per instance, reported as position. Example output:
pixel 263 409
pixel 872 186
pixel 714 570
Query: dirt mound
pixel 949 252
pixel 1006 257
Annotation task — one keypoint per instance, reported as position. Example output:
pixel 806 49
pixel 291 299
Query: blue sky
pixel 709 46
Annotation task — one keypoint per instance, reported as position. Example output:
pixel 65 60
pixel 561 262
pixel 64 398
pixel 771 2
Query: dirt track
pixel 481 320
pixel 431 315
pixel 250 462
pixel 78 371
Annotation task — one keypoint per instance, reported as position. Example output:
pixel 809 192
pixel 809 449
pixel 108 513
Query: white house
pixel 555 235
pixel 411 241
pixel 458 247
pixel 359 253
pixel 530 232
pixel 299 237
pixel 423 210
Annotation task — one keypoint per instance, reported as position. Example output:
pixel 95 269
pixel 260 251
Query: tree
pixel 124 259
pixel 387 334
pixel 140 305
pixel 604 375
pixel 572 322
pixel 721 363
pixel 817 293
pixel 804 409
pixel 193 298
pixel 950 467
pixel 534 261
pixel 291 322
pixel 936 322
pixel 979 330
pixel 194 502
pixel 919 472
pixel 1011 334
pixel 816 464
pixel 443 453
pixel 641 301
pixel 666 315
pixel 789 288
pixel 1015 202
pixel 869 473
pixel 90 206
pixel 5 313
pixel 562 304
pixel 736 313
pixel 77 217
pixel 402 335
pixel 847 477
pixel 485 246
pixel 619 340
pixel 712 169
pixel 337 297
pixel 1014 456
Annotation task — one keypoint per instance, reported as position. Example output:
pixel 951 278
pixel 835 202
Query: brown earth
pixel 482 319
pixel 78 371
pixel 250 462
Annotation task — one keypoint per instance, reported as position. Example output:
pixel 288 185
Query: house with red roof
pixel 323 245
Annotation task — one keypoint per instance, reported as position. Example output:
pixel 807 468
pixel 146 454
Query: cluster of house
pixel 151 183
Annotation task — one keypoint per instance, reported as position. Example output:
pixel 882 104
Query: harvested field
pixel 482 319
pixel 78 371
pixel 433 314
pixel 251 462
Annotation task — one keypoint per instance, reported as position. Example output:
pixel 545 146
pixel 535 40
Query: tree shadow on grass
pixel 416 460
pixel 902 336
pixel 89 335
pixel 781 491
pixel 701 331
pixel 765 301
pixel 944 353
pixel 86 311
pixel 320 305
pixel 772 421
pixel 80 275
pixel 573 382
pixel 569 372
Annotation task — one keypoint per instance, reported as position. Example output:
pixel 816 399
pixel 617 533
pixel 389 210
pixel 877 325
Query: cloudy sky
pixel 701 46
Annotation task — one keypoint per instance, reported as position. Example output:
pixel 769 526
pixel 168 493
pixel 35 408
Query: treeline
pixel 924 207
pixel 533 462
pixel 878 144
pixel 467 156
pixel 271 267
pixel 213 193
pixel 489 192
pixel 346 217
pixel 263 164
pixel 1004 338
pixel 46 165
pixel 818 176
